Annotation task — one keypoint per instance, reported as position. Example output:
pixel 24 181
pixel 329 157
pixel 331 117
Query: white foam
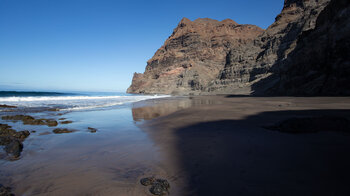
pixel 75 102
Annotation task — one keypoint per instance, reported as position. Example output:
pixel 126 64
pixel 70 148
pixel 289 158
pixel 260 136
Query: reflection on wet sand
pixel 110 161
pixel 151 109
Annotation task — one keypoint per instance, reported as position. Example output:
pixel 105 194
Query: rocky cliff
pixel 192 56
pixel 320 62
pixel 304 52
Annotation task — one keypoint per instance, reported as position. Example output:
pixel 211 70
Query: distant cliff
pixel 304 52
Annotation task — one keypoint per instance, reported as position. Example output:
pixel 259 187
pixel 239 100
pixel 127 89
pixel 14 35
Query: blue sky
pixel 97 45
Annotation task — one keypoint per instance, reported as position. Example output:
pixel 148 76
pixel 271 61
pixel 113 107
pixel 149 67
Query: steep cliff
pixel 320 62
pixel 192 56
pixel 258 62
pixel 304 52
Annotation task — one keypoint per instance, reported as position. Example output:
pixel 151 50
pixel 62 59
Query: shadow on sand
pixel 239 157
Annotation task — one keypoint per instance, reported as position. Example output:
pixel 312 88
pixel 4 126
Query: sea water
pixel 71 101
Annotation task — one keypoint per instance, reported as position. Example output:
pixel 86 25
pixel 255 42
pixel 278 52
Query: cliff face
pixel 306 47
pixel 192 56
pixel 320 62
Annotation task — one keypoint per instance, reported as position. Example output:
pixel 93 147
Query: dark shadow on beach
pixel 240 157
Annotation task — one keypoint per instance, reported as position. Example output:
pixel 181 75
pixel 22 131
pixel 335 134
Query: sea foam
pixel 74 102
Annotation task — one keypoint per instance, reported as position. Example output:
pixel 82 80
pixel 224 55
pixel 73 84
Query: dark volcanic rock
pixel 5 191
pixel 158 186
pixel 29 120
pixel 7 131
pixel 64 130
pixel 7 106
pixel 14 148
pixel 92 130
pixel 312 124
pixel 147 181
pixel 66 122
pixel 12 140
pixel 304 52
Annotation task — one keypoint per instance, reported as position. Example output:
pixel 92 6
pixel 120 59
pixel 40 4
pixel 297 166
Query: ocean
pixel 71 101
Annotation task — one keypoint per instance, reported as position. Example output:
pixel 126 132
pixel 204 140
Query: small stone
pixel 147 181
pixel 60 130
pixel 66 122
pixel 158 189
pixel 92 130
pixel 51 123
pixel 164 182
pixel 158 186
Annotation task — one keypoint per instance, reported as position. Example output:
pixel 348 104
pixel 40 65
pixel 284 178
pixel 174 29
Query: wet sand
pixel 218 146
pixel 204 145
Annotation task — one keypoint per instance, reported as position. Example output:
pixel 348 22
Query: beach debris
pixel 12 140
pixel 29 120
pixel 312 124
pixel 158 186
pixel 92 130
pixel 66 122
pixel 62 130
pixel 5 191
pixel 7 106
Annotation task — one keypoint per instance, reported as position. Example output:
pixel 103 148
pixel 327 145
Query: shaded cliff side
pixel 304 52
pixel 320 63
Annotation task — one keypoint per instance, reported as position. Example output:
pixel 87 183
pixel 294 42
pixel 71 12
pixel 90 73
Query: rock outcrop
pixel 304 52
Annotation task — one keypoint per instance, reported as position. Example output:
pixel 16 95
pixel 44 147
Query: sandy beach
pixel 218 146
pixel 202 145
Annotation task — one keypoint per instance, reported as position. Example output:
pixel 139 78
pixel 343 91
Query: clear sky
pixel 97 45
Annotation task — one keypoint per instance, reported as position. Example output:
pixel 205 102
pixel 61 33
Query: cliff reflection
pixel 157 108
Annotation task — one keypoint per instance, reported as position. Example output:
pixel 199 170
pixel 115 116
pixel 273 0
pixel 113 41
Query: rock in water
pixel 12 140
pixel 304 52
pixel 66 122
pixel 29 120
pixel 7 106
pixel 92 130
pixel 14 148
pixel 60 130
